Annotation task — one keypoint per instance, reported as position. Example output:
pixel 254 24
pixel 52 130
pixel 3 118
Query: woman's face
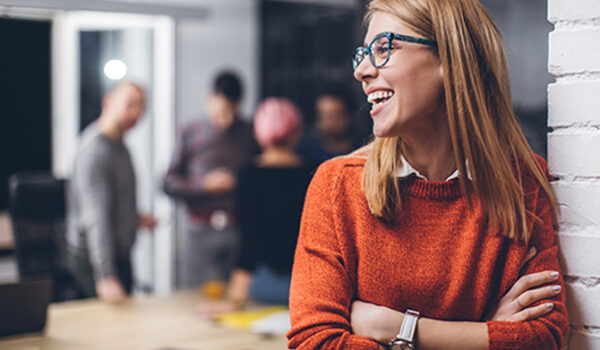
pixel 407 93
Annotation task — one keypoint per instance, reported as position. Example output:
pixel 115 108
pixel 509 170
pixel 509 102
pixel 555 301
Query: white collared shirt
pixel 406 170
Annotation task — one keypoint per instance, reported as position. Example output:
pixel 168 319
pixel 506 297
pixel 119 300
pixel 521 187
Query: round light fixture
pixel 115 69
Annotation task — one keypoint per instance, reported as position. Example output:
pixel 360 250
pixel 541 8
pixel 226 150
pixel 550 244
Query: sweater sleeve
pixel 546 332
pixel 321 291
pixel 95 188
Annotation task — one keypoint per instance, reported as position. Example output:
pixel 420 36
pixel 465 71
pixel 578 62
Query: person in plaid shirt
pixel 202 174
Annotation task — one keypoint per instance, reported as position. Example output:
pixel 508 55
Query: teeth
pixel 377 95
pixel 375 105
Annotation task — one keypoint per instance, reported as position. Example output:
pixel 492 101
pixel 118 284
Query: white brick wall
pixel 574 158
pixel 585 263
pixel 569 10
pixel 573 152
pixel 575 103
pixel 582 313
pixel 575 51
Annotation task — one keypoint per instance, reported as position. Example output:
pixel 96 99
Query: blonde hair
pixel 484 131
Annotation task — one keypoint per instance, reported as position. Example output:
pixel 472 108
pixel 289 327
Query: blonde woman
pixel 440 233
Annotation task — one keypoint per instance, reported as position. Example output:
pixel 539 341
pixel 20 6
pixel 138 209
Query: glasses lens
pixel 380 51
pixel 359 55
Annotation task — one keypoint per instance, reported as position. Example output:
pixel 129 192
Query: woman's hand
pixel 376 322
pixel 514 304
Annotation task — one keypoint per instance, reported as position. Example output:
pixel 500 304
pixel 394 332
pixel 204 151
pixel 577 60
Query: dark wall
pixel 91 93
pixel 25 133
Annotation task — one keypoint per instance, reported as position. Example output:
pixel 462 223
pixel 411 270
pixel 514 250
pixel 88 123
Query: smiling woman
pixel 440 233
pixel 403 77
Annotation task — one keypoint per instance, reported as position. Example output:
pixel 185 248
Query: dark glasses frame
pixel 361 52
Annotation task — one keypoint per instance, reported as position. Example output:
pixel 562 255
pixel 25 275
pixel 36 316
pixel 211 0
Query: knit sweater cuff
pixel 346 341
pixel 505 335
pixel 364 343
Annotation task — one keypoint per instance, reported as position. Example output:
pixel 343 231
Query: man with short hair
pixel 102 213
pixel 202 174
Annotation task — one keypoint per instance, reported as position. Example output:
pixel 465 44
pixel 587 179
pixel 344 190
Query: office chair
pixel 37 210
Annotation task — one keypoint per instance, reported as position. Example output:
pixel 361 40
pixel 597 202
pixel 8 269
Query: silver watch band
pixel 407 329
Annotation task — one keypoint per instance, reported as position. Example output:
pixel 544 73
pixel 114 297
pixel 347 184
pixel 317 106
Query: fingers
pixel 534 295
pixel 530 254
pixel 532 312
pixel 514 305
pixel 532 280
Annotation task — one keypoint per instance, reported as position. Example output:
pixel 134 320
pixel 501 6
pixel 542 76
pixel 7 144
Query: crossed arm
pixel 520 307
pixel 325 316
pixel 382 324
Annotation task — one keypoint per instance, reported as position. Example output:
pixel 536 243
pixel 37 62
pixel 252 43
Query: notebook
pixel 23 306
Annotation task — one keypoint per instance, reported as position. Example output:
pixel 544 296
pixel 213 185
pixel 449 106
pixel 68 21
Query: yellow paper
pixel 244 319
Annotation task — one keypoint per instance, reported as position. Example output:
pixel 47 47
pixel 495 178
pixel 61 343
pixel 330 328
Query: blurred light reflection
pixel 115 69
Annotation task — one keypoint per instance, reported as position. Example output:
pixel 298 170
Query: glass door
pixel 92 52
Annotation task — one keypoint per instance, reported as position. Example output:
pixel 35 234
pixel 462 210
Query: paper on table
pixel 244 319
pixel 277 323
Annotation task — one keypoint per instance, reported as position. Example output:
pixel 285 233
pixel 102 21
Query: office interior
pixel 59 57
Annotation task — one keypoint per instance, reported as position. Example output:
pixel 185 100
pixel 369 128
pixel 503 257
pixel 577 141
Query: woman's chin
pixel 382 130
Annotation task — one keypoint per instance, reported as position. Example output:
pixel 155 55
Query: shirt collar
pixel 406 170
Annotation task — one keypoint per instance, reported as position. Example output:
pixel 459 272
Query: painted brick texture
pixel 574 51
pixel 574 152
pixel 571 10
pixel 574 103
pixel 580 255
pixel 574 158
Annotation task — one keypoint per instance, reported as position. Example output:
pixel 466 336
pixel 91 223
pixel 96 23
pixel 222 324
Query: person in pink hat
pixel 270 197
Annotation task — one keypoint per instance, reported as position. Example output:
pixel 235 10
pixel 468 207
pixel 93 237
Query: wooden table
pixel 144 323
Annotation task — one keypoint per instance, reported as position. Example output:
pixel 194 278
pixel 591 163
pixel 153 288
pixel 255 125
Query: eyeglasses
pixel 379 49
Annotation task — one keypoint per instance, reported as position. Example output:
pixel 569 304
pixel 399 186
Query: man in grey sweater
pixel 102 214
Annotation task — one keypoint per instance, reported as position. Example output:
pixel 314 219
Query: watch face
pixel 401 345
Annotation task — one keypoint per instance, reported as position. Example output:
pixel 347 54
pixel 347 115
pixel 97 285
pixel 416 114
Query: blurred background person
pixel 102 211
pixel 335 130
pixel 208 153
pixel 270 197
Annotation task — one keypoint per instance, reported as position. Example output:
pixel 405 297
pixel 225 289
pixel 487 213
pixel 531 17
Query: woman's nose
pixel 365 70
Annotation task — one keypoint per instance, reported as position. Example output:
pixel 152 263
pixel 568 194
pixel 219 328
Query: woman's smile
pixel 378 100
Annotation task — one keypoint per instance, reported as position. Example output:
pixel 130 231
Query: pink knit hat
pixel 276 122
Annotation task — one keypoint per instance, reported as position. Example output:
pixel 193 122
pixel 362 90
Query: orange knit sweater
pixel 438 259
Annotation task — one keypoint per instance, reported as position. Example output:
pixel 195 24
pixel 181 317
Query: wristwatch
pixel 405 338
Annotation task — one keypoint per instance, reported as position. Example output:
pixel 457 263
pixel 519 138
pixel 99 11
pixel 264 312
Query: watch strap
pixel 408 327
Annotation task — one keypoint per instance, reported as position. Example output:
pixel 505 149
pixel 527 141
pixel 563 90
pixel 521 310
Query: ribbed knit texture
pixel 439 258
